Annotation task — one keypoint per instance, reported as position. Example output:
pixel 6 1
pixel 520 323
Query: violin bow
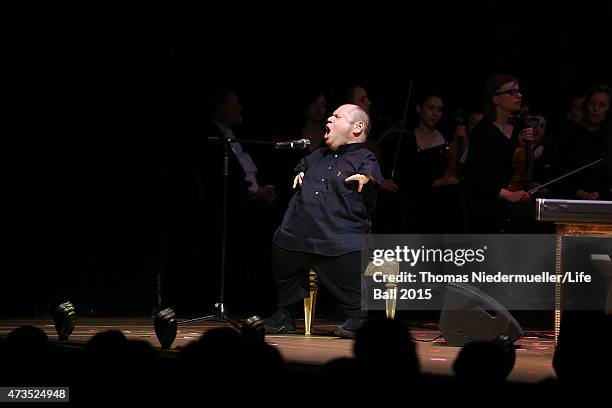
pixel 401 135
pixel 533 190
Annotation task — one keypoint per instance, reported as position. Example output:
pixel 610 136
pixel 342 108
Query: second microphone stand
pixel 219 311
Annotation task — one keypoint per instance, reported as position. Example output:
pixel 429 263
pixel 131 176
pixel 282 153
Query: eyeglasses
pixel 511 92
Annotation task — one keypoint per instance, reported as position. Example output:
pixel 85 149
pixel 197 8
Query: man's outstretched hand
pixel 360 178
pixel 298 179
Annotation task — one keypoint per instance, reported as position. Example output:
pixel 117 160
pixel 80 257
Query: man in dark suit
pixel 250 204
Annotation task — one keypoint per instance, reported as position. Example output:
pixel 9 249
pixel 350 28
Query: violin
pixel 522 161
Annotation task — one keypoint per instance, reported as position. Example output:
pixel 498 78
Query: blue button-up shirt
pixel 327 215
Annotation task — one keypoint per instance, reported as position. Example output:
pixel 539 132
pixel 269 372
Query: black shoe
pixel 281 322
pixel 349 328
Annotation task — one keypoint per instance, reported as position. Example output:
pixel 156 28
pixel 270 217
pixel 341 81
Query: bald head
pixel 357 115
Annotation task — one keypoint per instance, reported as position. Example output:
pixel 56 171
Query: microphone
pixel 293 144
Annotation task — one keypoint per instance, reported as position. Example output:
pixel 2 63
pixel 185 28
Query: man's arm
pixel 369 170
pixel 362 179
pixel 303 165
pixel 298 179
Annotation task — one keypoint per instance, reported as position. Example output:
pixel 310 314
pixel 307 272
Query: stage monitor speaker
pixel 470 315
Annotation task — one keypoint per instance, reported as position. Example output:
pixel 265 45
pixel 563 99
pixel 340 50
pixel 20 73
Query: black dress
pixel 579 146
pixel 425 209
pixel 489 169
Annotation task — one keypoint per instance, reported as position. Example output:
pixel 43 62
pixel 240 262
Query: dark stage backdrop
pixel 108 181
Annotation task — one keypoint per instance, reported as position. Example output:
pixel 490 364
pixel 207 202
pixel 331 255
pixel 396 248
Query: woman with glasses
pixel 490 166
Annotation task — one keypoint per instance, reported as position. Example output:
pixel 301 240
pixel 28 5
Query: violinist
pixel 428 183
pixel 496 193
pixel 524 155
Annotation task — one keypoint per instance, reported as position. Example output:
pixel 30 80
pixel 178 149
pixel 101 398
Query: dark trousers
pixel 341 275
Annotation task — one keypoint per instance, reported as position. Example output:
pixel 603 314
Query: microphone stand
pixel 219 311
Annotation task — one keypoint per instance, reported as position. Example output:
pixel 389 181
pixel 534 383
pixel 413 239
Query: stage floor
pixel 533 355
